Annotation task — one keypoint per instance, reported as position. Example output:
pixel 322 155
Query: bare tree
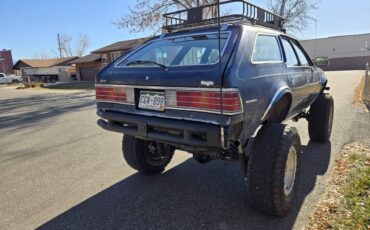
pixel 147 14
pixel 80 47
pixel 65 45
pixel 43 55
pixel 296 12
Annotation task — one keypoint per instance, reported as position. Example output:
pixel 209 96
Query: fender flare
pixel 282 91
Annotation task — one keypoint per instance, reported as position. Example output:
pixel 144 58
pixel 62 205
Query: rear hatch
pixel 186 59
pixel 176 76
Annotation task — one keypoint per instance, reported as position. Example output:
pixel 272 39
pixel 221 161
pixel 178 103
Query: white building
pixel 350 52
pixel 40 70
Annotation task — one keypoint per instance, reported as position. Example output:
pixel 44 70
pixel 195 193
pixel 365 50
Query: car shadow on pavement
pixel 24 112
pixel 188 196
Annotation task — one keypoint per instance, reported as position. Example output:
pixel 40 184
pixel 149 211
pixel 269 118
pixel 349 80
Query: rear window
pixel 179 51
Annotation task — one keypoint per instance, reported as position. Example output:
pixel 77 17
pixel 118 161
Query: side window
pixel 266 49
pixel 302 57
pixel 291 58
pixel 2 75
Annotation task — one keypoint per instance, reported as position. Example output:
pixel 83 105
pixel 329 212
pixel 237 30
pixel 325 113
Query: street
pixel 59 170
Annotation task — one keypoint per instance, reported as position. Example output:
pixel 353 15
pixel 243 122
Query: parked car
pixel 173 92
pixel 7 79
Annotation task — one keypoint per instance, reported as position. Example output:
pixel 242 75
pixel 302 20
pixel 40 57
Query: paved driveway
pixel 59 170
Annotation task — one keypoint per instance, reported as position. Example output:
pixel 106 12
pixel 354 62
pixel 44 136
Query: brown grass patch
pixel 358 100
pixel 33 85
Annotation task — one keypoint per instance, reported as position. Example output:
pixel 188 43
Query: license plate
pixel 152 100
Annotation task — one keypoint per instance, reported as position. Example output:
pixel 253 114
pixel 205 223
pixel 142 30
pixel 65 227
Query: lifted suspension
pixel 303 115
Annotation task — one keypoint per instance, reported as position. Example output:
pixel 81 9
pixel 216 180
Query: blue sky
pixel 29 27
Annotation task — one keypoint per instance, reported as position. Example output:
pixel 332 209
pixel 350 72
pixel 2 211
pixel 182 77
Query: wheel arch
pixel 279 106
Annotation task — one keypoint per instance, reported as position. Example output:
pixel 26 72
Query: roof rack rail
pixel 207 15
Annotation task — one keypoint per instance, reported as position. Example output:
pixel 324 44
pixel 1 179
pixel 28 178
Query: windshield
pixel 180 51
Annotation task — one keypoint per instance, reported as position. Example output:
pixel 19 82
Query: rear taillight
pixel 115 94
pixel 208 101
pixel 203 100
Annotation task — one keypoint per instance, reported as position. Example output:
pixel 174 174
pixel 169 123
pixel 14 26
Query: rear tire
pixel 146 156
pixel 273 168
pixel 15 82
pixel 320 120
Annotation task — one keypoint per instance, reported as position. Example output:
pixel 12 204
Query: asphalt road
pixel 59 170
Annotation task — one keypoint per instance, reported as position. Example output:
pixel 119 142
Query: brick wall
pixel 6 61
pixel 88 65
pixel 349 63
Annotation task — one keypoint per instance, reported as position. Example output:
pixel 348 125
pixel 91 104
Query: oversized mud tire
pixel 146 156
pixel 273 169
pixel 320 119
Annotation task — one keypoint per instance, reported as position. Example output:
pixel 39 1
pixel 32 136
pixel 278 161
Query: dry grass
pixel 358 100
pixel 32 85
pixel 346 203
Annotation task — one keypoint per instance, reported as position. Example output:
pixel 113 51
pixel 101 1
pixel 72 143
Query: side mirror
pixel 322 61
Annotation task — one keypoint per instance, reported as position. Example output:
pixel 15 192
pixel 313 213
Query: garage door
pixel 88 74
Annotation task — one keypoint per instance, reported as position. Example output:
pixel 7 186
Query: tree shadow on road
pixel 188 196
pixel 19 113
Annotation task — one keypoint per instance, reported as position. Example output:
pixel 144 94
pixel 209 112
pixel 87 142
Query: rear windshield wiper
pixel 139 62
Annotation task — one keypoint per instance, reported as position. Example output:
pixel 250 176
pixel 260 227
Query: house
pixel 112 52
pixel 350 52
pixel 47 70
pixel 87 67
pixel 6 61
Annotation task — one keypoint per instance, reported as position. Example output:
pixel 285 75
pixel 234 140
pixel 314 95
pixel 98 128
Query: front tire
pixel 320 120
pixel 273 168
pixel 146 156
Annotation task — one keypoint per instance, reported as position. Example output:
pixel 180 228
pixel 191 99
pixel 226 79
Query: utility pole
pixel 282 9
pixel 59 48
pixel 315 38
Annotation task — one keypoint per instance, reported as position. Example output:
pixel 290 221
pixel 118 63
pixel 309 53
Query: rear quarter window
pixel 291 58
pixel 266 49
pixel 301 55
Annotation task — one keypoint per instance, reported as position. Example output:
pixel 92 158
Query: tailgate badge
pixel 207 83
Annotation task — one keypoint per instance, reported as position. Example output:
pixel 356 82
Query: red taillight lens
pixel 114 94
pixel 209 101
pixel 205 100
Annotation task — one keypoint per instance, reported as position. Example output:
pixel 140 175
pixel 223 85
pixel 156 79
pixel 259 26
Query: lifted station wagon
pixel 219 87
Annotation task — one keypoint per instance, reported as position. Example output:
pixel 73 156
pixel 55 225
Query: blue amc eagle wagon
pixel 219 87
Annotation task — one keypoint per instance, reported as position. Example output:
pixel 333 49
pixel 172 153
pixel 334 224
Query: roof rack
pixel 207 15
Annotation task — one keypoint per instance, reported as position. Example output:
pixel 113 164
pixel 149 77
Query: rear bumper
pixel 178 132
